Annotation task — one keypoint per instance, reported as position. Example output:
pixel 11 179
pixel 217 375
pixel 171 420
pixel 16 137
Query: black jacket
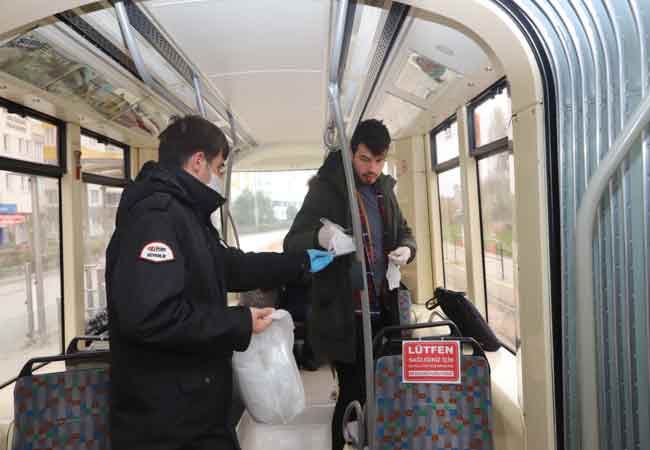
pixel 172 333
pixel 332 324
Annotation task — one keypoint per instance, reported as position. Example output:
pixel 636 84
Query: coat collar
pixel 155 177
pixel 204 199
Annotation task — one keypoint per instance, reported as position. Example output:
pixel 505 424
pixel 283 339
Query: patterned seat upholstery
pixel 433 416
pixel 64 411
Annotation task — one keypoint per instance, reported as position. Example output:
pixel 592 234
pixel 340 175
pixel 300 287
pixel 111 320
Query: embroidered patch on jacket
pixel 157 252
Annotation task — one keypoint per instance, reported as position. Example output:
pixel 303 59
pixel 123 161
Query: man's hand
pixel 400 255
pixel 261 319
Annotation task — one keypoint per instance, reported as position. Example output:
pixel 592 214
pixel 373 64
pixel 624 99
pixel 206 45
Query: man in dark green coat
pixel 335 323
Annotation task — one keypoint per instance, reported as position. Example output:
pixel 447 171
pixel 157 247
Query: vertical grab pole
pixel 231 160
pixel 199 98
pixel 586 335
pixel 334 96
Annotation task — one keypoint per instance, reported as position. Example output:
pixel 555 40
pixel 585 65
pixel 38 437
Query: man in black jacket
pixel 335 325
pixel 168 272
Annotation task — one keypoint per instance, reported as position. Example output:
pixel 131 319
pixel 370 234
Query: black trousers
pixel 352 386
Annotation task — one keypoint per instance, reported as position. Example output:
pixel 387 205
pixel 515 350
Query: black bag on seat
pixel 463 313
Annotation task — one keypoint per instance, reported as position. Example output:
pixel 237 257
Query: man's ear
pixel 195 162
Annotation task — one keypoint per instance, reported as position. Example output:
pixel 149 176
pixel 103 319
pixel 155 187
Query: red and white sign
pixel 11 219
pixel 431 362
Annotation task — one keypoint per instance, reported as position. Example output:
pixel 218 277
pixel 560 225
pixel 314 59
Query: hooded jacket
pixel 332 323
pixel 172 334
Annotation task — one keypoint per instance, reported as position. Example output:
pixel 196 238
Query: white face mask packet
pixel 340 243
pixel 393 275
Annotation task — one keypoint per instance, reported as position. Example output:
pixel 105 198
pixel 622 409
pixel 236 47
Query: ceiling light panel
pixel 423 77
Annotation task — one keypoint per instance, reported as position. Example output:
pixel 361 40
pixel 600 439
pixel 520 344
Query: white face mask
pixel 215 181
pixel 215 184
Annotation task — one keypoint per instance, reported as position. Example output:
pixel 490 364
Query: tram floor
pixel 310 430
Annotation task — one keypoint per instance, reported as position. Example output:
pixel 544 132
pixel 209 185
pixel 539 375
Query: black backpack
pixel 464 314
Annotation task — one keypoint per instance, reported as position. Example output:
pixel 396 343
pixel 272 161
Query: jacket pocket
pixel 191 383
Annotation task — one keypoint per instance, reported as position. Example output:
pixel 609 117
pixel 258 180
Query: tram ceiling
pixel 271 72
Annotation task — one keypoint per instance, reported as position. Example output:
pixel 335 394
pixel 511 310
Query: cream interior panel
pixel 413 198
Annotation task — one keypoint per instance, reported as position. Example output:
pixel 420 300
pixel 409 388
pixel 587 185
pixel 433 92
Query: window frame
pixel 104 180
pixel 502 145
pixel 53 171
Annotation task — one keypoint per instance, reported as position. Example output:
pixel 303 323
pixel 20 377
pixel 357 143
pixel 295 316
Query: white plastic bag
pixel 267 374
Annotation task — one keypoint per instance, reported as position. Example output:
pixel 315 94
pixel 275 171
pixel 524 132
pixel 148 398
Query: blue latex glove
pixel 319 259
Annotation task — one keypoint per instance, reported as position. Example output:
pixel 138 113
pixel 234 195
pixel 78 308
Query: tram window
pixel 30 271
pixel 22 133
pixel 491 117
pixel 264 205
pixel 445 156
pixel 447 144
pixel 451 221
pixel 496 185
pixel 100 208
pixel 104 163
pixel 102 157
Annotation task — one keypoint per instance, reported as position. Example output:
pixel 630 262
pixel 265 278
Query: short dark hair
pixel 188 135
pixel 373 134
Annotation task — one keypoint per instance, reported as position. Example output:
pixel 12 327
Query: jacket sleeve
pixel 404 233
pixel 152 304
pixel 248 271
pixel 303 234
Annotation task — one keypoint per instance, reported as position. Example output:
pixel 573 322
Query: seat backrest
pixel 91 345
pixel 427 416
pixel 65 410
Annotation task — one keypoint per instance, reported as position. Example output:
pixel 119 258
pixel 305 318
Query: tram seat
pixel 67 409
pixel 452 415
pixel 413 415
